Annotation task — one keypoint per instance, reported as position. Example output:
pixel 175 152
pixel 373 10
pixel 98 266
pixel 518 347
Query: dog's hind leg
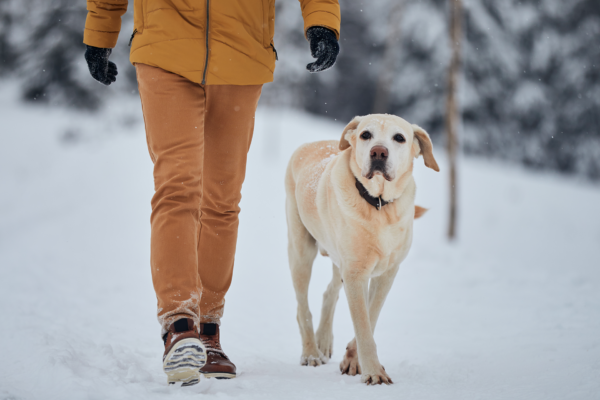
pixel 350 364
pixel 302 251
pixel 330 298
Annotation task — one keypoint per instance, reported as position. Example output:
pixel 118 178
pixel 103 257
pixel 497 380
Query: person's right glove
pixel 324 47
pixel 102 70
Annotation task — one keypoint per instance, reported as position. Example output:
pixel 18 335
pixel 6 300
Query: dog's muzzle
pixel 378 166
pixel 378 156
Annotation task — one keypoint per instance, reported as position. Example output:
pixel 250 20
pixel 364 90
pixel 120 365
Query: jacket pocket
pixel 268 22
pixel 174 5
pixel 138 17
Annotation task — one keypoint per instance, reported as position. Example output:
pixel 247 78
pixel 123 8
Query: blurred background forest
pixel 529 93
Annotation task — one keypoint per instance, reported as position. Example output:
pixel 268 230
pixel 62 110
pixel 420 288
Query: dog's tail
pixel 419 211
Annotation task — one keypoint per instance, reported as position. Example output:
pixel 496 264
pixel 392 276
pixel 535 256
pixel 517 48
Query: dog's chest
pixel 390 238
pixel 393 243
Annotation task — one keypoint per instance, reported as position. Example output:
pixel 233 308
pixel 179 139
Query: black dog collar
pixel 376 202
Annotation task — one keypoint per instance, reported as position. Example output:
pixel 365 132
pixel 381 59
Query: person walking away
pixel 200 68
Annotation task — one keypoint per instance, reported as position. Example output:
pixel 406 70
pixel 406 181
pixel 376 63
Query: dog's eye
pixel 399 138
pixel 366 135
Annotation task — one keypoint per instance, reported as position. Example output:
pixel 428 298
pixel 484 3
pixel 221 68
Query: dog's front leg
pixel 356 287
pixel 378 290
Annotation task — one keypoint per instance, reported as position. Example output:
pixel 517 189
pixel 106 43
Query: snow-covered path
pixel 511 311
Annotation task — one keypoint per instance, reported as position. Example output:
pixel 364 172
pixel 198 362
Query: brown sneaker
pixel 218 364
pixel 184 353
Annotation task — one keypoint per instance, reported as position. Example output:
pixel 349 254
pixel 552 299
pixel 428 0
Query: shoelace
pixel 213 346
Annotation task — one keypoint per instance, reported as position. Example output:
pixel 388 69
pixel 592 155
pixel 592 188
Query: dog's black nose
pixel 379 153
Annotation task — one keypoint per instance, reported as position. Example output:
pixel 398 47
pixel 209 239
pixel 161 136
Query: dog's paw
pixel 313 360
pixel 350 364
pixel 325 343
pixel 376 376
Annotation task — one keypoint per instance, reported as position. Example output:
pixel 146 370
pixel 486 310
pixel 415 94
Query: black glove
pixel 324 47
pixel 102 70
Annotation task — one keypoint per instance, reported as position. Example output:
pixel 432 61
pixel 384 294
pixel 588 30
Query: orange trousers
pixel 198 137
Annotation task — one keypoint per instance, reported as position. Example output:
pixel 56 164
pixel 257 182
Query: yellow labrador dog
pixel 354 202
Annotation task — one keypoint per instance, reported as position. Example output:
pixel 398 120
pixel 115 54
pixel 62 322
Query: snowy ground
pixel 510 311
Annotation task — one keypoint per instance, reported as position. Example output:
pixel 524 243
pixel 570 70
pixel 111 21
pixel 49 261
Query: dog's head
pixel 386 145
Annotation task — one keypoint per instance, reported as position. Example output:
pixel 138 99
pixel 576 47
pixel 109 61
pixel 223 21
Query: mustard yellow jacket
pixel 215 42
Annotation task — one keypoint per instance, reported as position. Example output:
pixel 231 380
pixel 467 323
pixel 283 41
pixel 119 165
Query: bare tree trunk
pixel 385 79
pixel 452 108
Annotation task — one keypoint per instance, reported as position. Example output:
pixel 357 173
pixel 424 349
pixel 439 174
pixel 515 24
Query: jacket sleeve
pixel 324 13
pixel 103 22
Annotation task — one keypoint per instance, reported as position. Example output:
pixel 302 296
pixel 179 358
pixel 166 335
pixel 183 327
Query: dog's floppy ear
pixel 352 125
pixel 425 147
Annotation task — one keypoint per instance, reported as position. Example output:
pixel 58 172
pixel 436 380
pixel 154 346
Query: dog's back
pixel 306 167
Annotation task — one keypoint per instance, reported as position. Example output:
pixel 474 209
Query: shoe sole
pixel 183 362
pixel 218 375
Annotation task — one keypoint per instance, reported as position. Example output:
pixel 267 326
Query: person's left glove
pixel 324 47
pixel 102 70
